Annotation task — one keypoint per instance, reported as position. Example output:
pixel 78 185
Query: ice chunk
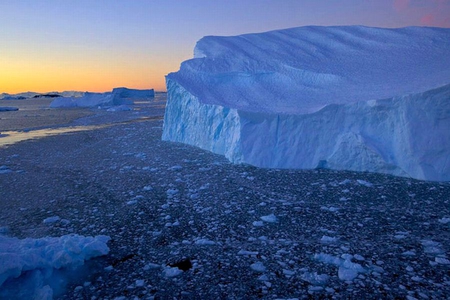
pixel 258 267
pixel 282 99
pixel 8 108
pixel 444 220
pixel 245 252
pixel 31 262
pixel 316 279
pixel 172 272
pixel 364 183
pixel 269 218
pixel 328 239
pixel 347 270
pixel 50 220
pixel 204 242
pixel 120 108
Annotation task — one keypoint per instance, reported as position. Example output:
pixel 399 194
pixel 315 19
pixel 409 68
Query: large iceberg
pixel 118 96
pixel 346 98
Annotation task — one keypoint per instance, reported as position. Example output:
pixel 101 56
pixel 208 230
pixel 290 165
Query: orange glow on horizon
pixel 46 79
pixel 94 73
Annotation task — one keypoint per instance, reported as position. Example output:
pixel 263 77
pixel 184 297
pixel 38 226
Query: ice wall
pixel 353 98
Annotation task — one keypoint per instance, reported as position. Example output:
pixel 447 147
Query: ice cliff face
pixel 353 98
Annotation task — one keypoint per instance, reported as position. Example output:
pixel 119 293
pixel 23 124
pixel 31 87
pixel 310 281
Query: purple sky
pixel 100 44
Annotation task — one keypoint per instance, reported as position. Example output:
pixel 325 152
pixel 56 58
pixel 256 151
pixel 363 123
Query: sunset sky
pixel 95 45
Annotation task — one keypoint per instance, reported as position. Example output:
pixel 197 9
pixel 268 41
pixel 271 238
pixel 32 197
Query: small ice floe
pixel 204 242
pixel 175 168
pixel 345 181
pixel 204 169
pixel 315 279
pixel 172 192
pixel 409 253
pixel 312 289
pixel 328 239
pixel 119 108
pixel 51 220
pixel 359 257
pixel 5 170
pixel 330 209
pixel 263 277
pixel 432 247
pixel 194 196
pixel 151 266
pixel 399 236
pixel 258 223
pixel 442 260
pixel 172 272
pixel 269 218
pixel 140 282
pixel 249 253
pixel 258 267
pixel 108 268
pixel 288 273
pixel 444 220
pixel 347 270
pixel 364 183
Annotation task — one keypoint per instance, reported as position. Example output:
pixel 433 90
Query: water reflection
pixel 12 137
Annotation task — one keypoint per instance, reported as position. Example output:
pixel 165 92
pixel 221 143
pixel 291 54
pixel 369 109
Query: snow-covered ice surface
pixel 354 98
pixel 187 223
pixel 118 97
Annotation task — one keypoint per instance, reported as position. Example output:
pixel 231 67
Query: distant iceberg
pixel 8 108
pixel 118 96
pixel 124 93
pixel 345 98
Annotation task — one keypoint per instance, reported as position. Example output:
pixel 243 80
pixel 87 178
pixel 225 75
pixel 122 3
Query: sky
pixel 96 45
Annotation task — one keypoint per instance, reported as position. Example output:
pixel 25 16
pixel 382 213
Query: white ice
pixel 348 97
pixel 347 270
pixel 31 263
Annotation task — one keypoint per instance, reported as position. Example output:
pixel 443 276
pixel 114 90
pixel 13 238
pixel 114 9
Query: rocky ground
pixel 187 224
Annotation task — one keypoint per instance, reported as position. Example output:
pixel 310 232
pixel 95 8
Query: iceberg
pixel 124 93
pixel 36 265
pixel 345 98
pixel 118 96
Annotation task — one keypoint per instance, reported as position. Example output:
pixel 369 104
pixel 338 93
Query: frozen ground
pixel 188 224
